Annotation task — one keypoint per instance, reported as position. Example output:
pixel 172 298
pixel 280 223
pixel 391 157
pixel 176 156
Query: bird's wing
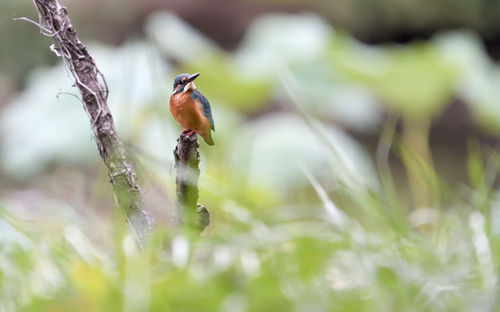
pixel 207 111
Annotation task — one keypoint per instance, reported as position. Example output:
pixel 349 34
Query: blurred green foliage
pixel 16 58
pixel 262 263
pixel 415 81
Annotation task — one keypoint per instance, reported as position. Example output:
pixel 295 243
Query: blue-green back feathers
pixel 207 111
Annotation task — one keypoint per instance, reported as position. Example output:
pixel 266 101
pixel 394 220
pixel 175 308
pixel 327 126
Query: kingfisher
pixel 190 108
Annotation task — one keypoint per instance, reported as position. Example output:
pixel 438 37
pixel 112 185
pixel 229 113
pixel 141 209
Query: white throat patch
pixel 190 86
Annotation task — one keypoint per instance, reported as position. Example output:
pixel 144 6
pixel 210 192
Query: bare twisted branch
pixel 80 63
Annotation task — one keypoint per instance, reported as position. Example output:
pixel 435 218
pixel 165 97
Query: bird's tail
pixel 208 138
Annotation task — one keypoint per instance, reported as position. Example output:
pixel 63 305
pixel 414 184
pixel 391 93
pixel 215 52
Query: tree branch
pixel 187 160
pixel 94 95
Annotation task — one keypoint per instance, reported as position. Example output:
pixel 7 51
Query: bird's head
pixel 184 82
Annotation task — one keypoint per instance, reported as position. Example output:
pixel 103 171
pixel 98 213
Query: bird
pixel 190 108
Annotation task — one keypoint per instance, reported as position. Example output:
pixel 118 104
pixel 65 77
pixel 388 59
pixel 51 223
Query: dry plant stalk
pixel 54 22
pixel 187 160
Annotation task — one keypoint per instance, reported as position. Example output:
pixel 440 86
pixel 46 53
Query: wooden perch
pixel 187 160
pixel 54 22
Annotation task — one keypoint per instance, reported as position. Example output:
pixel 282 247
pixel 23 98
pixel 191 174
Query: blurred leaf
pixel 284 141
pixel 177 39
pixel 479 80
pixel 290 39
pixel 41 127
pixel 415 80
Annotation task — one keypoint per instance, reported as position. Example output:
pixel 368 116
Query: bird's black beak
pixel 191 78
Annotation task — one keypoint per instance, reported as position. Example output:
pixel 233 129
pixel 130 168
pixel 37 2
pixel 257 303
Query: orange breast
pixel 188 113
